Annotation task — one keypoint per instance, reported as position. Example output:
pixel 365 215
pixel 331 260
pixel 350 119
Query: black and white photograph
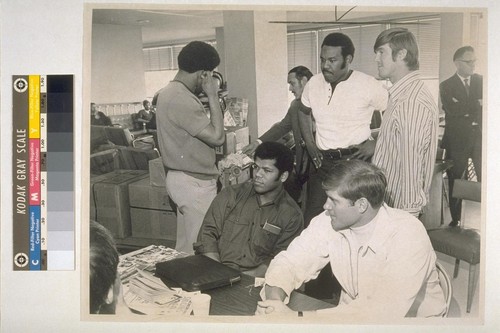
pixel 264 166
pixel 330 156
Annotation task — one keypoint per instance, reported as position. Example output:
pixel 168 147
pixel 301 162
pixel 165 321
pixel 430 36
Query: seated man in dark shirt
pixel 147 115
pixel 248 224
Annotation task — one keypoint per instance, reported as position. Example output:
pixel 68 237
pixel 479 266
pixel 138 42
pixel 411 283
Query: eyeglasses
pixel 468 62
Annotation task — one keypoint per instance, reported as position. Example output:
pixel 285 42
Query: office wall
pixel 117 67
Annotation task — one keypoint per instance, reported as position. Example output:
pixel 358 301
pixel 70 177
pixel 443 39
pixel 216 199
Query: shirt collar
pixel 462 78
pixel 276 200
pixel 380 232
pixel 398 88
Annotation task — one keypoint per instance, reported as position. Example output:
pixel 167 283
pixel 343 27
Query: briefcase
pixel 197 273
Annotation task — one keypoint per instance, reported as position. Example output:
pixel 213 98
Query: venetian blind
pixel 363 38
pixel 302 50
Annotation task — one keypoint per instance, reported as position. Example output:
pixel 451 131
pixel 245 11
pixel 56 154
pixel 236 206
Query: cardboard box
pixel 154 224
pixel 109 200
pixel 144 195
pixel 236 139
pixel 157 172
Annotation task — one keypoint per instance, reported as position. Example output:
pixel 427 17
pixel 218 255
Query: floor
pixel 472 211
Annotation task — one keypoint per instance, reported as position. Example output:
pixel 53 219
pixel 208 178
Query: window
pixel 163 57
pixel 304 46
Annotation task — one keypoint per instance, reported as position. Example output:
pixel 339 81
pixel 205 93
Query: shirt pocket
pixel 233 231
pixel 264 242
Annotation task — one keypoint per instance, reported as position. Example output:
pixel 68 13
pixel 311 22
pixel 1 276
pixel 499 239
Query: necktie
pixel 467 87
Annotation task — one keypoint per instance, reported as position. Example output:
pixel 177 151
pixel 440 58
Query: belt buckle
pixel 340 153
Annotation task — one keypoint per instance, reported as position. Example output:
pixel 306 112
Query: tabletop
pixel 241 299
pixel 238 299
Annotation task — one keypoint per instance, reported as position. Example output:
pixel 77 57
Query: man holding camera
pixel 187 137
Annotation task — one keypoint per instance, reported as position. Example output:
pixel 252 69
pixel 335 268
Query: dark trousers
pixel 325 286
pixel 316 196
pixel 293 186
pixel 460 157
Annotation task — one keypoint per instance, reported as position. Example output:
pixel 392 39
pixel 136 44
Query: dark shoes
pixel 454 223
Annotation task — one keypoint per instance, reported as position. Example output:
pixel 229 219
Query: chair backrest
pixel 119 136
pixel 467 190
pixel 445 283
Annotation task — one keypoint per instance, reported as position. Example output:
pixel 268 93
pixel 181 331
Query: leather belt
pixel 337 154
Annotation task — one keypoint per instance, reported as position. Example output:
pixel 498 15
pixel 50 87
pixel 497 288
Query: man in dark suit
pixel 297 79
pixel 462 99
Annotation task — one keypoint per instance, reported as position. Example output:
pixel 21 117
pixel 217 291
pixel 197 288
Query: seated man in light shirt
pixel 248 224
pixel 381 256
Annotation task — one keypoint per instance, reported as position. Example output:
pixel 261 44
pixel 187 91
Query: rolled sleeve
pixel 303 260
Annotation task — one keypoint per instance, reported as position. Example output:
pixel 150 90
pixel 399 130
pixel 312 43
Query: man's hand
pixel 273 307
pixel 316 156
pixel 250 149
pixel 365 150
pixel 209 84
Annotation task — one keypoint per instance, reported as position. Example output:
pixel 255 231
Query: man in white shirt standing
pixel 341 101
pixel 381 256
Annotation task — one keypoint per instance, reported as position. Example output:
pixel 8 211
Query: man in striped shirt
pixel 407 142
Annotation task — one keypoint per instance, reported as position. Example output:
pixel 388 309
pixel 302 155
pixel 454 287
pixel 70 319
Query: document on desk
pixel 146 293
pixel 149 295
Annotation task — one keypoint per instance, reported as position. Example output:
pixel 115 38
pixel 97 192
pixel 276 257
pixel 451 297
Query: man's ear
pixel 362 204
pixel 402 54
pixel 284 176
pixel 348 58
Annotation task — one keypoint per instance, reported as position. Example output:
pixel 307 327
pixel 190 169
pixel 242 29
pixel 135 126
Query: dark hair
pixel 355 179
pixel 339 39
pixel 399 39
pixel 103 263
pixel 300 72
pixel 144 102
pixel 278 152
pixel 460 52
pixel 198 56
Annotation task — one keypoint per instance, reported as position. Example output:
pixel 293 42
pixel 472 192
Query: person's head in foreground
pixel 103 263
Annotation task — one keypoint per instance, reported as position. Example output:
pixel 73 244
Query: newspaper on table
pixel 146 293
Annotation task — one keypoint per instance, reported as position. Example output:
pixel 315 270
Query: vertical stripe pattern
pixel 407 143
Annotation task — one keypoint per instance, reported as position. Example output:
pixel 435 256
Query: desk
pixel 239 299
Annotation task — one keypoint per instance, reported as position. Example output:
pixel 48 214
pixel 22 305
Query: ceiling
pixel 160 27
